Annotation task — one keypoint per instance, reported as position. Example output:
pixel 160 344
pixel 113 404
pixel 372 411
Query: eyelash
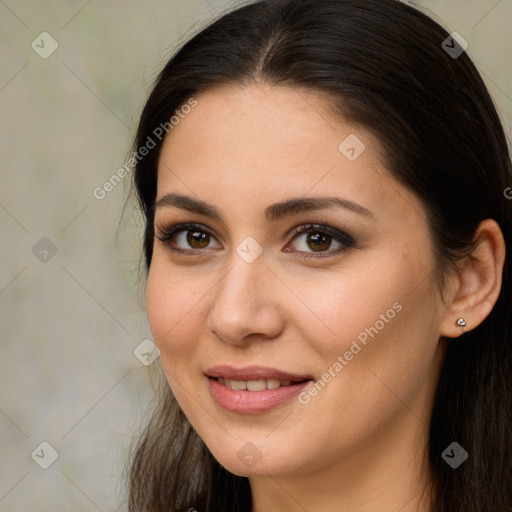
pixel 166 234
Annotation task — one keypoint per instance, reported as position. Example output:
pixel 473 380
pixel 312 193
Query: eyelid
pixel 346 241
pixel 338 235
pixel 166 233
pixel 169 230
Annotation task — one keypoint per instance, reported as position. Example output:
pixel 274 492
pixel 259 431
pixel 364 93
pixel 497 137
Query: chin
pixel 249 460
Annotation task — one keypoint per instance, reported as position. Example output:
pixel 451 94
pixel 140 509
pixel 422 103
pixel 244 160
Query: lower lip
pixel 249 402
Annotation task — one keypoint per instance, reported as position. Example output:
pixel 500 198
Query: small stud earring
pixel 461 322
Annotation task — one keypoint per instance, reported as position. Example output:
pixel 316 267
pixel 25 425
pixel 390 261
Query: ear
pixel 476 287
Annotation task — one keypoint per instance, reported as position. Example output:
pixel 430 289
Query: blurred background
pixel 76 346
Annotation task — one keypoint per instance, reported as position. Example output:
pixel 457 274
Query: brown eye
pixel 314 238
pixel 197 239
pixel 318 241
pixel 185 238
pixel 315 241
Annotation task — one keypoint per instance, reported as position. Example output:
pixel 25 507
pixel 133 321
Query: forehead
pixel 260 128
pixel 259 113
pixel 259 144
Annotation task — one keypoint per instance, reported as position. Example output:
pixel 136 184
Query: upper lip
pixel 254 373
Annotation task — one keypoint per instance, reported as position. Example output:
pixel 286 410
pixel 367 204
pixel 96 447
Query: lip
pixel 253 373
pixel 252 402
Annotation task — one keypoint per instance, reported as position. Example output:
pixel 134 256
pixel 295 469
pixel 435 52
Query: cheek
pixel 337 307
pixel 387 360
pixel 380 320
pixel 172 302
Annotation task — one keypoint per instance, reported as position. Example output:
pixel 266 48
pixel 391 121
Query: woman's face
pixel 351 305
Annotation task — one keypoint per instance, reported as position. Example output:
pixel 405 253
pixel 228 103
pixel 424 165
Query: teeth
pixel 273 383
pixel 238 384
pixel 256 385
pixel 253 385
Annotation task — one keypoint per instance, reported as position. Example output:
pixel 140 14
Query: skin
pixel 359 445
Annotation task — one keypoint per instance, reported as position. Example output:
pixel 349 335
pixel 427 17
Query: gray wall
pixel 70 320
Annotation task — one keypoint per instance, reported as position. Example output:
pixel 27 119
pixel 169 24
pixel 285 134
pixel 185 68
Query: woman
pixel 327 239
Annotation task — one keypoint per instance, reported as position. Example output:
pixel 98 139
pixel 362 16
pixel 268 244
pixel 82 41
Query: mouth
pixel 257 384
pixel 253 389
pixel 255 373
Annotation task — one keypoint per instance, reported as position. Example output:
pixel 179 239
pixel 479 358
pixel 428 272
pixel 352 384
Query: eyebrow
pixel 272 213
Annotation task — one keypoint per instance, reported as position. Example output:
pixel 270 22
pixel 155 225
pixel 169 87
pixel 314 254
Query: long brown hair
pixel 386 66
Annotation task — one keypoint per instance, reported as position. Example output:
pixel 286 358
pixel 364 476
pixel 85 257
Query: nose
pixel 245 305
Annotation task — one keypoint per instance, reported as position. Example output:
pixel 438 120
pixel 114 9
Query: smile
pixel 253 389
pixel 253 385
